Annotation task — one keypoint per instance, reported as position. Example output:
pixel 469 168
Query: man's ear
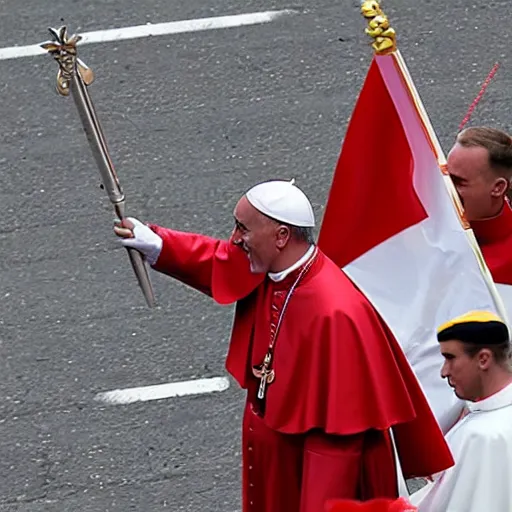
pixel 484 358
pixel 501 187
pixel 282 236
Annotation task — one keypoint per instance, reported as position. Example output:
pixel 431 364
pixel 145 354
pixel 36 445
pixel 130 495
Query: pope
pixel 331 401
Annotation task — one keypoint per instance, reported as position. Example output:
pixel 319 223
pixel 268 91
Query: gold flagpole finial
pixel 378 28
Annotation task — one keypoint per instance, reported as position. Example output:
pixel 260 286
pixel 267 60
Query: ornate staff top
pixel 63 50
pixel 378 28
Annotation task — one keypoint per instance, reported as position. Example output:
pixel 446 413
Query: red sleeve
pixel 332 468
pixel 217 268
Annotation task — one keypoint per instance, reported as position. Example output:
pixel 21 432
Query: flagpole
pixel 384 38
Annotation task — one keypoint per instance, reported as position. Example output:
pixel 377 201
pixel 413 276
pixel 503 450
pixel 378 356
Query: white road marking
pixel 157 29
pixel 160 391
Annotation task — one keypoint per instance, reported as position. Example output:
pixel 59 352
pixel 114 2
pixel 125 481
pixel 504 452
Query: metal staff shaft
pixel 96 139
pixel 100 152
pixel 74 77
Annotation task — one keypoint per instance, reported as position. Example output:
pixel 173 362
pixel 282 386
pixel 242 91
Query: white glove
pixel 145 240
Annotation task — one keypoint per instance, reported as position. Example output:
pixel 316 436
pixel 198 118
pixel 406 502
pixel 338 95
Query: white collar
pixel 499 400
pixel 279 276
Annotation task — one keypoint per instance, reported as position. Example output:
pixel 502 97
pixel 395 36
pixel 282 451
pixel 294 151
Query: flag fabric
pixel 392 224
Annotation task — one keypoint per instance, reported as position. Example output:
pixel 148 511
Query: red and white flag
pixel 393 224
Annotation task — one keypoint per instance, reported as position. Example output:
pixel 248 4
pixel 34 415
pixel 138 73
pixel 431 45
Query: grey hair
pixel 302 234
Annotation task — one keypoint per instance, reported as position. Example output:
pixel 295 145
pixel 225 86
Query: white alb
pixel 481 444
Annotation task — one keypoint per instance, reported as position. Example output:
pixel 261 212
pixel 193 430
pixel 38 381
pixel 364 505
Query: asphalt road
pixel 192 121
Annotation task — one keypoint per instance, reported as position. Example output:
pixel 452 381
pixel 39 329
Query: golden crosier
pixel 378 28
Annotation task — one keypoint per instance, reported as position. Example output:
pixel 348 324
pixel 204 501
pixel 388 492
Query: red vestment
pixel 341 381
pixel 494 237
pixel 377 505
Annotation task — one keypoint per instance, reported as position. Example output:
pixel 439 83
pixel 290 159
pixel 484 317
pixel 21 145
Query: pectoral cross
pixel 265 374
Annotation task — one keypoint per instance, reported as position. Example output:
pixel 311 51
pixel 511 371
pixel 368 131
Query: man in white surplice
pixel 476 349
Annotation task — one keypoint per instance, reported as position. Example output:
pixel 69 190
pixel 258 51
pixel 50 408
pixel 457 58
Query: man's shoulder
pixel 493 427
pixel 333 295
pixel 334 285
pixel 331 278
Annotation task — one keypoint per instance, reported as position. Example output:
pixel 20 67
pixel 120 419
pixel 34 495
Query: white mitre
pixel 282 201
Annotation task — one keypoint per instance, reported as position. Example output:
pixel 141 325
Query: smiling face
pixel 260 237
pixel 463 371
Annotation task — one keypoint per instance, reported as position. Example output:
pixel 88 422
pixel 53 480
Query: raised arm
pixel 215 267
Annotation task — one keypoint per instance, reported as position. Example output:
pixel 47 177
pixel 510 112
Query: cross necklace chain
pixel 264 372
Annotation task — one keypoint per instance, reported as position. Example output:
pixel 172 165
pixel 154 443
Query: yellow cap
pixel 478 327
pixel 472 316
